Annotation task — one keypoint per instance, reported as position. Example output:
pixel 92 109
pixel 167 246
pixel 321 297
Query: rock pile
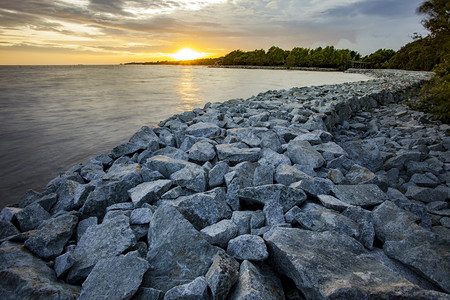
pixel 311 193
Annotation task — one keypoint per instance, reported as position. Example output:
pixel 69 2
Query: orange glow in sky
pixel 187 54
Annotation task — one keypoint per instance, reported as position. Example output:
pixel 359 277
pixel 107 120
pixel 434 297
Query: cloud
pixel 162 25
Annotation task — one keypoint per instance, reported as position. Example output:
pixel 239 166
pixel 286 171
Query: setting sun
pixel 187 54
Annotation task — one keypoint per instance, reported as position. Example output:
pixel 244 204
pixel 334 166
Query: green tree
pixel 276 56
pixel 380 58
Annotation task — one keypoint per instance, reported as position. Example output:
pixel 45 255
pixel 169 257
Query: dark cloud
pixel 380 8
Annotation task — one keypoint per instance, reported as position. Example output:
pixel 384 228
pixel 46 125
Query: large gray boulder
pixel 166 165
pixel 204 209
pixel 407 242
pixel 149 192
pixel 117 277
pixel 316 218
pixel 364 153
pixel 31 217
pixel 66 197
pixel 364 195
pixel 335 266
pixel 25 276
pixel 233 154
pixel 248 247
pixel 302 153
pixel 111 238
pixel 178 253
pixel 52 236
pixel 203 129
pixel 221 232
pixel 202 151
pixel 255 283
pixel 286 174
pixel 286 196
pixel 192 177
pixel 146 138
pixel 222 275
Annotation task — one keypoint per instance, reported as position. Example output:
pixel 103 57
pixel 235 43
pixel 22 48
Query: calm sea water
pixel 53 117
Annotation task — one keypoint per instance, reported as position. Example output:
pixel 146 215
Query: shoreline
pixel 177 207
pixel 276 68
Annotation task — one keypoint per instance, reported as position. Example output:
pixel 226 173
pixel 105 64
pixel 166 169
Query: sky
pixel 120 31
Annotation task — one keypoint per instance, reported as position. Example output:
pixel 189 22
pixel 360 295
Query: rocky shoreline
pixel 330 192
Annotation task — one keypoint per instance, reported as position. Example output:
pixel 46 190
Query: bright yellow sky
pixel 120 31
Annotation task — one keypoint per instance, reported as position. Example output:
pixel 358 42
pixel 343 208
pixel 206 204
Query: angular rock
pixel 221 232
pixel 241 176
pixel 115 277
pixel 81 194
pixel 28 198
pixel 425 252
pixel 66 197
pixel 335 266
pixel 31 217
pixel 230 153
pixel 192 177
pixel 263 175
pixel 146 138
pixel 197 289
pixel 63 263
pixel 111 238
pixel 93 170
pixel 204 209
pixel 25 276
pixel 273 212
pixel 7 229
pixel 166 165
pixel 301 152
pixel 364 195
pixel 316 218
pixel 286 196
pixel 358 174
pixel 217 173
pixel 178 253
pixel 364 220
pixel 333 203
pixel 202 151
pixel 364 153
pixel 141 216
pixel 84 224
pixel 270 157
pixel 330 147
pixel 336 176
pixel 255 283
pixel 400 160
pixel 425 180
pixel 203 130
pixel 248 247
pixel 52 236
pixel 426 194
pixel 106 194
pixel 168 151
pixel 286 174
pixel 393 223
pixel 149 192
pixel 222 275
pixel 314 186
pixel 126 148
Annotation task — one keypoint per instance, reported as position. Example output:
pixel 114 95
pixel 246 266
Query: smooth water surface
pixel 53 117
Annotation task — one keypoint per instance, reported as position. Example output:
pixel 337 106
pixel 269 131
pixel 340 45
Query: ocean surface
pixel 53 117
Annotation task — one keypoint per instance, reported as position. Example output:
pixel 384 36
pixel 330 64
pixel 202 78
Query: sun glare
pixel 187 54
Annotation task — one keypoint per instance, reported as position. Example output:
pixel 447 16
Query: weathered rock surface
pixel 364 195
pixel 24 276
pixel 52 236
pixel 178 253
pixel 117 277
pixel 222 275
pixel 248 247
pixel 255 283
pixel 111 238
pixel 334 266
